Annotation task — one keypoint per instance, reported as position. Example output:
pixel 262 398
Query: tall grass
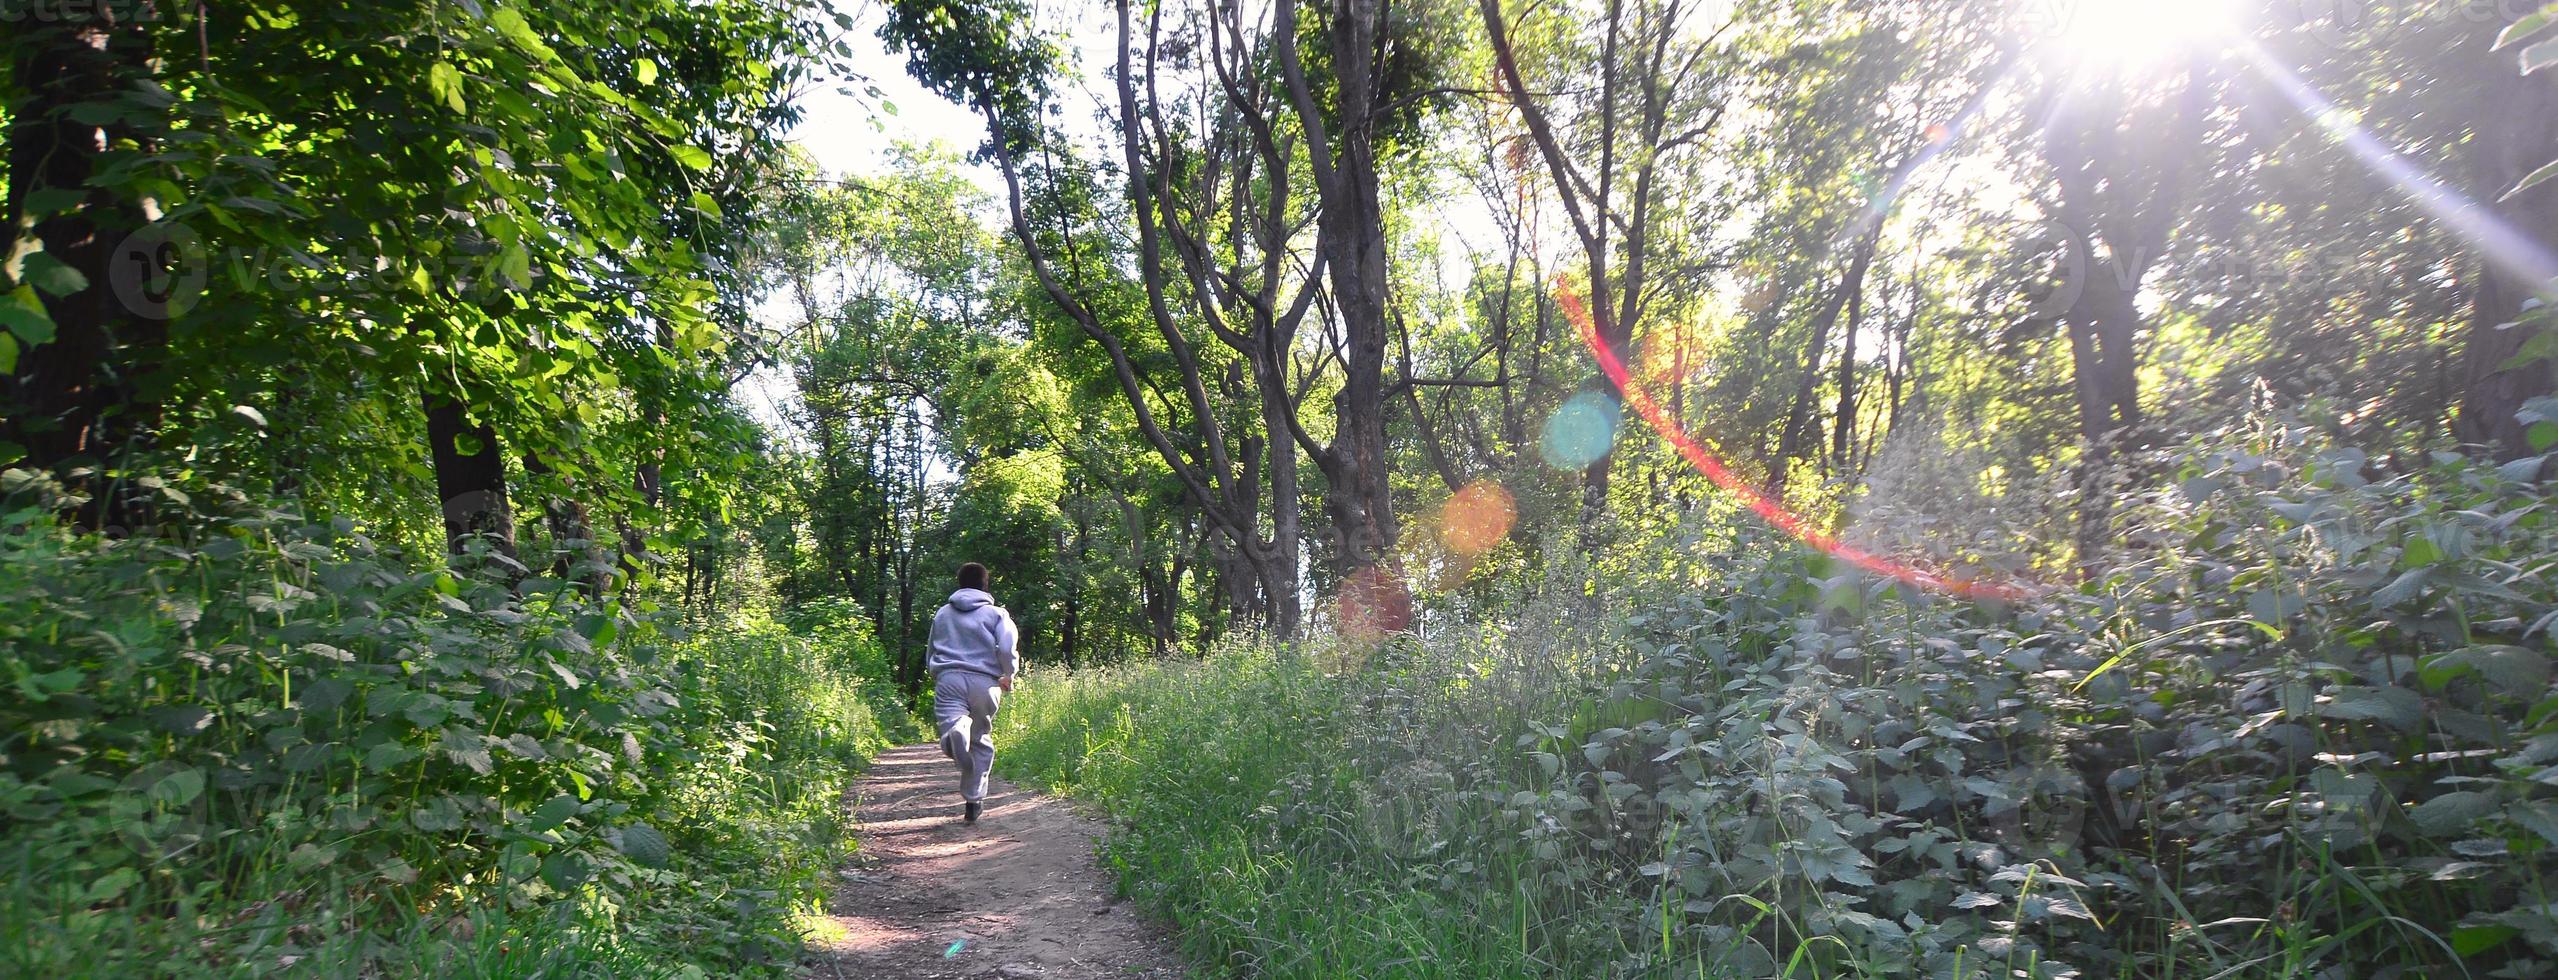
pixel 1229 781
pixel 2306 729
pixel 1290 812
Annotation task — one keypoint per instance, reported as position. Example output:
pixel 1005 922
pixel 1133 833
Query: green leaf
pixel 704 204
pixel 437 816
pixel 387 756
pixel 645 845
pixel 325 695
pixel 2539 56
pixel 553 813
pixel 511 25
pixel 310 858
pixel 111 885
pixel 8 353
pixel 602 629
pixel 2524 470
pixel 691 156
pixel 396 871
pixel 469 749
pixel 2542 436
pixel 2538 816
pixel 2473 940
pixel 525 747
pixel 564 870
pixel 517 266
pixel 97 113
pixel 2451 813
pixel 2537 178
pixel 2530 24
pixel 53 200
pixel 2395 706
pixel 47 273
pixel 444 82
pixel 2542 346
pixel 646 69
pixel 178 788
pixel 2407 586
pixel 2420 552
pixel 2518 670
pixel 23 316
pixel 2343 791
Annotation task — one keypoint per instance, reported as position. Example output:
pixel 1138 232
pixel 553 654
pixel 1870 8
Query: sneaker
pixel 974 808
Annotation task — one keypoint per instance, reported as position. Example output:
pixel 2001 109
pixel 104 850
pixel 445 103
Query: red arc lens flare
pixel 1768 508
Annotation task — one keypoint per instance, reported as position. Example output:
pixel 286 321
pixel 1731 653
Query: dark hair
pixel 972 576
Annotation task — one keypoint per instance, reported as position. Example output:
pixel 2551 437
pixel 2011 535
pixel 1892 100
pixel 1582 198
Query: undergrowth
pixel 2303 727
pixel 268 747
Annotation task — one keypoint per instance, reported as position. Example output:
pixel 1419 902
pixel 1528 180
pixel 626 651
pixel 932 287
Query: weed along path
pixel 1017 896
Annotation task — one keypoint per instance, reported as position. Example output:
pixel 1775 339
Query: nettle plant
pixel 265 726
pixel 2304 727
pixel 2349 761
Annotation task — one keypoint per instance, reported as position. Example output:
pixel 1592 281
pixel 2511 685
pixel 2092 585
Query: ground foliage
pixel 2306 729
pixel 276 746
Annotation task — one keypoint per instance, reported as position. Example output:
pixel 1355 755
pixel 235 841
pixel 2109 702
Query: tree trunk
pixel 907 543
pixel 2104 327
pixel 1798 439
pixel 647 480
pixel 1168 623
pixel 1067 623
pixel 80 399
pixel 1353 236
pixel 470 479
pixel 1843 428
pixel 573 557
pixel 1240 578
pixel 1287 498
pixel 2119 205
pixel 2520 136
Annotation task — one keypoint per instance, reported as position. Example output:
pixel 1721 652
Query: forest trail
pixel 1019 893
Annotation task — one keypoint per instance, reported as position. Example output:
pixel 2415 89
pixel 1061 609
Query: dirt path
pixel 1017 896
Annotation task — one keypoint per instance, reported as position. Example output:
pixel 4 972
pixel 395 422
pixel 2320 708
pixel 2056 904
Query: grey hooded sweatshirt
pixel 972 633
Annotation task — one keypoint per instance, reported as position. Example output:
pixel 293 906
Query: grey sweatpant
pixel 964 703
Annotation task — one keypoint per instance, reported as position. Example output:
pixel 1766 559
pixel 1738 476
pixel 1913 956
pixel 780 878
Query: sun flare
pixel 2132 33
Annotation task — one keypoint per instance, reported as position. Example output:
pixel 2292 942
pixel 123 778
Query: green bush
pixel 271 745
pixel 2305 727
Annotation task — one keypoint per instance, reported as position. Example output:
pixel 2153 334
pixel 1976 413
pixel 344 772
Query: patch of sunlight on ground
pixel 817 929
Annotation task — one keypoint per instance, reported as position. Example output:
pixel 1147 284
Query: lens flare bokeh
pixel 1581 431
pixel 1373 604
pixel 1707 462
pixel 1477 517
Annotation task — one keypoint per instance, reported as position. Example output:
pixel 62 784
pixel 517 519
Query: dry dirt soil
pixel 1017 896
